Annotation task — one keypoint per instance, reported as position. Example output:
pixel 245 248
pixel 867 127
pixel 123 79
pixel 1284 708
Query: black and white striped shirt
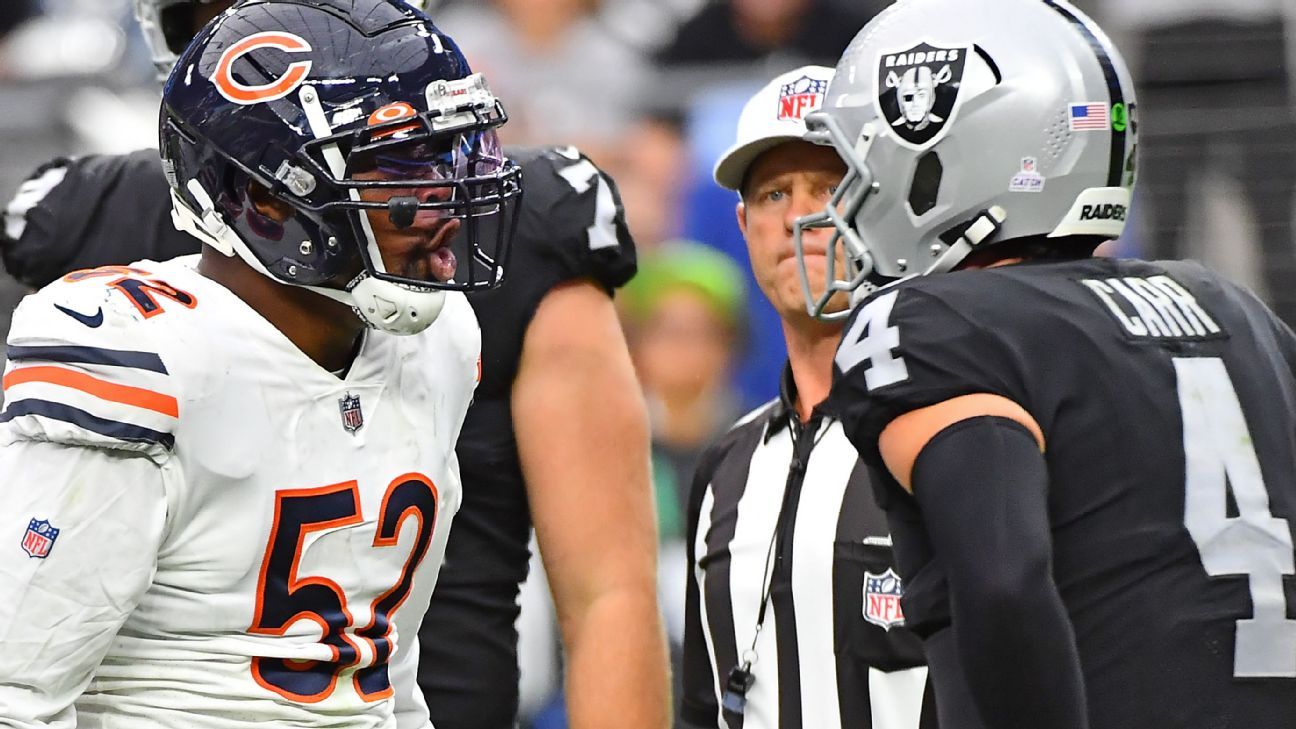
pixel 831 652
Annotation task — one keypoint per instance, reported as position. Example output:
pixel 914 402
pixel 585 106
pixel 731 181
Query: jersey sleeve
pixel 905 348
pixel 572 223
pixel 83 370
pixel 79 537
pixel 571 226
pixel 75 213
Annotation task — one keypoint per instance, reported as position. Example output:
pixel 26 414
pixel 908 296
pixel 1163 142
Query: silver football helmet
pixel 167 29
pixel 966 123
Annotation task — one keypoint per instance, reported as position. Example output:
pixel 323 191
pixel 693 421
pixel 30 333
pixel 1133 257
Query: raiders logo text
pixel 1103 212
pixel 911 59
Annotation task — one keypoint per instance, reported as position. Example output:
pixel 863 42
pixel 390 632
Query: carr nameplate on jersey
pixel 1154 308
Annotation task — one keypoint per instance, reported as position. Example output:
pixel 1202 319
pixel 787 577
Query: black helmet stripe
pixel 1116 167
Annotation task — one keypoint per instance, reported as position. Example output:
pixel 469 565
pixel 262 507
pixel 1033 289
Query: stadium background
pixel 651 90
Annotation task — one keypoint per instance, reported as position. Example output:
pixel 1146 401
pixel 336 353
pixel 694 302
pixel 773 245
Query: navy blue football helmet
pixel 345 115
pixel 166 25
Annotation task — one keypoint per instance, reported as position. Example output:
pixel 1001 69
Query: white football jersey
pixel 203 528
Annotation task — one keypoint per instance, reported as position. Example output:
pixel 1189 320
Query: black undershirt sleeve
pixel 982 487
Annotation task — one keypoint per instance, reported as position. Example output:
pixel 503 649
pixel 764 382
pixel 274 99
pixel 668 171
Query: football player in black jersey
pixel 557 434
pixel 1088 464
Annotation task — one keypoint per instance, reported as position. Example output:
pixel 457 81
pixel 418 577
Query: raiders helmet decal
pixel 918 91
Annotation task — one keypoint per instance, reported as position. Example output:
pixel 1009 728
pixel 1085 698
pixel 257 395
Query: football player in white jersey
pixel 226 481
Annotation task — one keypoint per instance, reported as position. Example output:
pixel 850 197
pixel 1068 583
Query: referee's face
pixel 793 179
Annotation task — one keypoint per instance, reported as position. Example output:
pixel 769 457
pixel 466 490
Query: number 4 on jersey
pixel 872 338
pixel 1220 453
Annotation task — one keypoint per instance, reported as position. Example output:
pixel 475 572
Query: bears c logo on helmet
pixel 240 93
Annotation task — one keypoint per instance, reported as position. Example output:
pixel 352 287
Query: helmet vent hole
pixel 994 67
pixel 926 184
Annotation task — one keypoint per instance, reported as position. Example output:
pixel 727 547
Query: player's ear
pixel 266 204
pixel 740 210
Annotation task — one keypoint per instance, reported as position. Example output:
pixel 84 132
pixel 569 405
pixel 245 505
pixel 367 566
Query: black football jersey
pixel 1167 400
pixel 571 226
pixel 94 211
pixel 103 210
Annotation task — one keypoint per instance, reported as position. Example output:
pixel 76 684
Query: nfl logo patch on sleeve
pixel 39 539
pixel 882 595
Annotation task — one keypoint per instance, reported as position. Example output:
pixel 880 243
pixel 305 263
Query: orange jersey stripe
pixel 125 394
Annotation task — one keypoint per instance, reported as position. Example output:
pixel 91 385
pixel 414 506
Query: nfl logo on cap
pixel 352 415
pixel 800 97
pixel 39 538
pixel 882 595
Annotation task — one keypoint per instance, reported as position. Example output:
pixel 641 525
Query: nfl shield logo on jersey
pixel 352 416
pixel 882 595
pixel 39 539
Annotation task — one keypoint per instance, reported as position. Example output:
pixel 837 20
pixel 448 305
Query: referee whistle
pixel 738 684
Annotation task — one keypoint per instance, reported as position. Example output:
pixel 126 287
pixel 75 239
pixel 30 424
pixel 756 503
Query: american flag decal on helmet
pixel 352 416
pixel 39 538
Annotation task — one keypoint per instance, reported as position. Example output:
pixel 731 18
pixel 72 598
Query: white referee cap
pixel 776 114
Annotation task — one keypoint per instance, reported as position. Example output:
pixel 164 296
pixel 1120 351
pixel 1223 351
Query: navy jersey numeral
pixel 138 286
pixel 415 498
pixel 285 597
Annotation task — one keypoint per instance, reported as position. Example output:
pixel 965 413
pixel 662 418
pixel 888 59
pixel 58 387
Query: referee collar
pixel 784 413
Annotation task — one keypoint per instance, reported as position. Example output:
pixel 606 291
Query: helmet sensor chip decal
pixel 918 91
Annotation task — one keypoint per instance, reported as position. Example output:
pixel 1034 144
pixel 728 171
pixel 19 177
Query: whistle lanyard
pixel 741 679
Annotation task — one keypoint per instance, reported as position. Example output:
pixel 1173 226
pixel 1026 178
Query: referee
pixel 793 613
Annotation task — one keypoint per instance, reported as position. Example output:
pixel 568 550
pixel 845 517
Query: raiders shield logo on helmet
pixel 918 91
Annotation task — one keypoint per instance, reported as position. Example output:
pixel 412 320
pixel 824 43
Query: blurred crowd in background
pixel 651 91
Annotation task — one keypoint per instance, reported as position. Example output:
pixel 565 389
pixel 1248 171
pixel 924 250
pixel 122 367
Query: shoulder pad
pixel 90 211
pixel 906 347
pixel 33 191
pixel 572 215
pixel 83 368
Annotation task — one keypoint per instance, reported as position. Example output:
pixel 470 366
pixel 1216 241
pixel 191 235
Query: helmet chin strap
pixel 984 226
pixel 380 304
